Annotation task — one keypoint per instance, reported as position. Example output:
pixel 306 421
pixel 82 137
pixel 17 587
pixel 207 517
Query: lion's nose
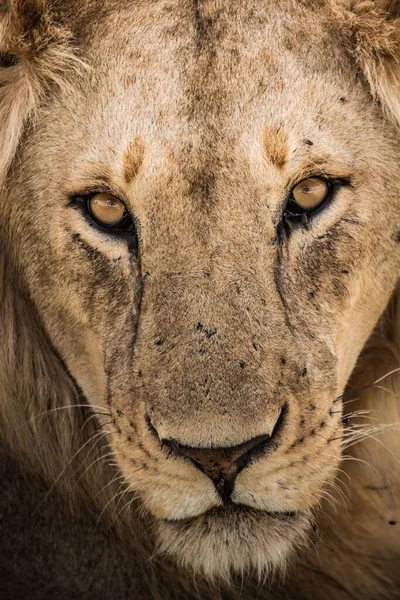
pixel 222 465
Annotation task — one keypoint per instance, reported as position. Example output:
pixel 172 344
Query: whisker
pixel 349 458
pixel 380 387
pixel 98 459
pixel 111 500
pixel 366 387
pixel 52 410
pixel 336 488
pixel 100 435
pixel 364 436
pixel 117 476
pixel 93 416
pixel 126 506
pixel 115 516
pixel 329 498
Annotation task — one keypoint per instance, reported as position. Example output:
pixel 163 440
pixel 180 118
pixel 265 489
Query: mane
pixel 43 57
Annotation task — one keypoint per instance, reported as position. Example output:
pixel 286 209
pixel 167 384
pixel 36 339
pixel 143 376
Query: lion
pixel 200 255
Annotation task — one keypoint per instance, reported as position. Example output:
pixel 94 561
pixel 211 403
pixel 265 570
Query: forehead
pixel 214 73
pixel 220 57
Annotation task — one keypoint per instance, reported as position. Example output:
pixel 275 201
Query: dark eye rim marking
pixel 126 228
pixel 296 215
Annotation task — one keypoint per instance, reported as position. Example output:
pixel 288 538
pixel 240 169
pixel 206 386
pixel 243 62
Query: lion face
pixel 219 321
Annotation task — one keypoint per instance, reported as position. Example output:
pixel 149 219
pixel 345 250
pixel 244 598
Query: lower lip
pixel 216 512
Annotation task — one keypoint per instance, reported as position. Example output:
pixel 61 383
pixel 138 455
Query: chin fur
pixel 234 541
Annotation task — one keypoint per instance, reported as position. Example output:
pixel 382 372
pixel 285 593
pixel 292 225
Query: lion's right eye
pixel 106 212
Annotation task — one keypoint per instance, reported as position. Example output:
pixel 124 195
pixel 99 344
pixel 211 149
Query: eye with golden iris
pixel 310 193
pixel 106 209
pixel 310 196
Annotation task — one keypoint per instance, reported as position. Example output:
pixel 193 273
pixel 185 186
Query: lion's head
pixel 200 204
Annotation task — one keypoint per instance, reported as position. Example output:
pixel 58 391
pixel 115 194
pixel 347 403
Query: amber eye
pixel 310 193
pixel 106 209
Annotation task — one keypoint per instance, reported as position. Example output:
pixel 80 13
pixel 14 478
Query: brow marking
pixel 276 146
pixel 133 159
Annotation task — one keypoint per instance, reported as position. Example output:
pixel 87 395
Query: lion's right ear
pixel 35 56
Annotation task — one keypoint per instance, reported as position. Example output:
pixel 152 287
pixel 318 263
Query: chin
pixel 234 541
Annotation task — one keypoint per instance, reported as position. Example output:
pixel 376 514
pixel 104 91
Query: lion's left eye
pixel 106 210
pixel 308 195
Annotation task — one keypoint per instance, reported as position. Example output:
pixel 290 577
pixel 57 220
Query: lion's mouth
pixel 230 508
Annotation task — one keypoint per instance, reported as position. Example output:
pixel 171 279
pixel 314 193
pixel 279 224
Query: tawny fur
pixel 85 506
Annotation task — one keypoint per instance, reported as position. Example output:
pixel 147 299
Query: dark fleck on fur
pixel 208 333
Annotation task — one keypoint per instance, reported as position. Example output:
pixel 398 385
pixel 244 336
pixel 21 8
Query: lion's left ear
pixel 374 39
